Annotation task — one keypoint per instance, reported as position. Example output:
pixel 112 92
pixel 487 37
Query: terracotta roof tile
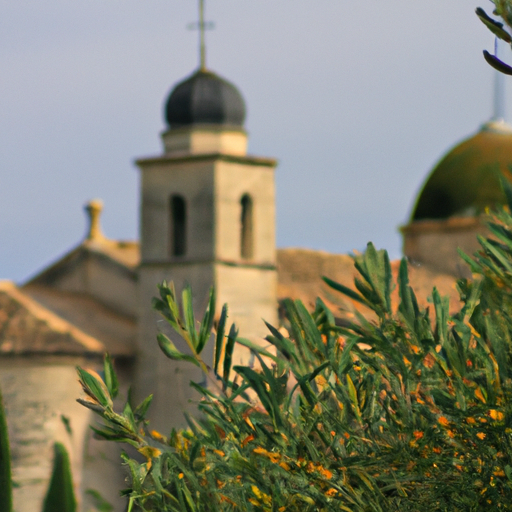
pixel 300 274
pixel 116 332
pixel 26 327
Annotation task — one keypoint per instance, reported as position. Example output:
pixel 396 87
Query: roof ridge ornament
pixel 93 209
pixel 201 26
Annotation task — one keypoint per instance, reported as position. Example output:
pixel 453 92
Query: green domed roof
pixel 466 180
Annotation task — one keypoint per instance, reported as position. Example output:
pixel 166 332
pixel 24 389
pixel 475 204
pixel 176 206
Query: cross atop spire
pixel 201 26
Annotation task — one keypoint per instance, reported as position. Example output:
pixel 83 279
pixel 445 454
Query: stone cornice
pixel 207 261
pixel 205 157
pixel 442 225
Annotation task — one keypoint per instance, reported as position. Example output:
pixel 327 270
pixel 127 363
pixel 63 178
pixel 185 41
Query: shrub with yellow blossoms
pixel 404 409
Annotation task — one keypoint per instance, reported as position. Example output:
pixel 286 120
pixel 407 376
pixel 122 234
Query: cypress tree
pixel 60 496
pixel 5 463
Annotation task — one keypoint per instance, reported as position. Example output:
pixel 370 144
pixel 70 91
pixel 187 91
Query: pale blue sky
pixel 357 100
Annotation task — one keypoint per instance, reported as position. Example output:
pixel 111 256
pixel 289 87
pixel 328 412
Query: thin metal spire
pixel 499 97
pixel 202 46
pixel 499 89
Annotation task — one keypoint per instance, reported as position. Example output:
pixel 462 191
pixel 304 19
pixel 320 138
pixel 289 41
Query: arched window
pixel 178 225
pixel 246 235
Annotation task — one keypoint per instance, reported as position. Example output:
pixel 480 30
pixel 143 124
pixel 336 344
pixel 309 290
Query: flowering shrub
pixel 411 411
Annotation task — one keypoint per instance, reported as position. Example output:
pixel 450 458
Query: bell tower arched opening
pixel 246 231
pixel 178 224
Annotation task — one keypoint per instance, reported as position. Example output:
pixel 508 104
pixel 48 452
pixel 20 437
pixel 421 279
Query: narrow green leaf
pixel 379 273
pixel 100 503
pixel 207 323
pixel 110 376
pixel 219 338
pixel 94 386
pixel 441 305
pixel 93 406
pixel 352 393
pixel 286 347
pixel 499 255
pixel 320 304
pixel 346 291
pixel 228 353
pixel 142 409
pixel 170 350
pixel 128 414
pixel 494 26
pixel 258 385
pixel 257 348
pixel 172 312
pixel 188 315
pixel 311 333
pixel 306 379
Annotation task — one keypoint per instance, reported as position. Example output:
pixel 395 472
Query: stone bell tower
pixel 207 218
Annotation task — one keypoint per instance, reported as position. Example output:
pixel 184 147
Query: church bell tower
pixel 207 218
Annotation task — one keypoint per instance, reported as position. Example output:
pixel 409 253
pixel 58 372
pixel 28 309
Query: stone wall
pixel 435 242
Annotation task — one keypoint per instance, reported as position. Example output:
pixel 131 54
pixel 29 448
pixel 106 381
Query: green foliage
pixel 405 408
pixel 502 9
pixel 5 463
pixel 60 496
pixel 100 503
pixel 185 326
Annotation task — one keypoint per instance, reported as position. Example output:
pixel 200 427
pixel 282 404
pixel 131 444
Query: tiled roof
pixel 124 254
pixel 300 271
pixel 26 328
pixel 116 332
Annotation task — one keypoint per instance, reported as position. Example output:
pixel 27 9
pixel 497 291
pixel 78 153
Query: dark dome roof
pixel 466 180
pixel 205 98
